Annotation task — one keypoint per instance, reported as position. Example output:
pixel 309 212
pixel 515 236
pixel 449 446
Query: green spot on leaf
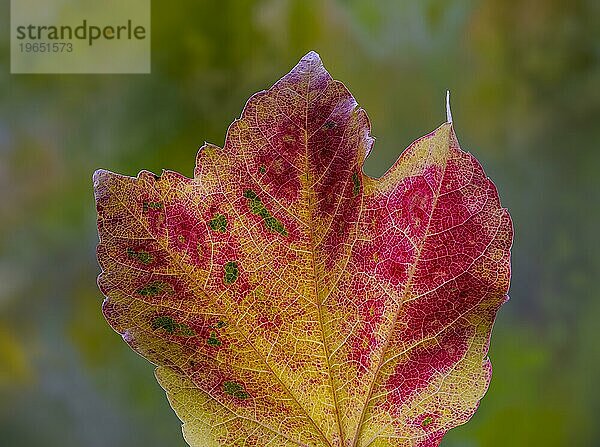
pixel 262 169
pixel 235 389
pixel 153 206
pixel 218 223
pixel 221 324
pixel 249 194
pixel 356 187
pixel 155 288
pixel 428 420
pixel 231 272
pixel 274 225
pixel 185 331
pixel 170 326
pixel 164 322
pixel 213 340
pixel 142 256
pixel 258 208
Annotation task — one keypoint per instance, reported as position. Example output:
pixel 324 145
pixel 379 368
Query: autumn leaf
pixel 289 299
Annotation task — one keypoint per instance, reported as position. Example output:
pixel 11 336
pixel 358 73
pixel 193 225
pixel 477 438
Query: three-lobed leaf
pixel 290 300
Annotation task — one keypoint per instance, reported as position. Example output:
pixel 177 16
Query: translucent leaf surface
pixel 290 300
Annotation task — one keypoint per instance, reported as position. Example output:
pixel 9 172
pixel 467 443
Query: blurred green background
pixel 525 82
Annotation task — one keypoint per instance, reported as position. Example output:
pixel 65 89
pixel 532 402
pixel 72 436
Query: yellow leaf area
pixel 290 300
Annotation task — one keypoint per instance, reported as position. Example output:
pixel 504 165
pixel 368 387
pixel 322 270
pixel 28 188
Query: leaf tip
pixel 312 56
pixel 448 111
pixel 98 175
pixel 99 180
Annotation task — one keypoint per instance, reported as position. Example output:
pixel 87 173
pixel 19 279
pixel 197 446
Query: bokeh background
pixel 525 82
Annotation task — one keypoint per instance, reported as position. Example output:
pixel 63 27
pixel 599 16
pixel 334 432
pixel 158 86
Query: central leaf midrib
pixel 310 193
